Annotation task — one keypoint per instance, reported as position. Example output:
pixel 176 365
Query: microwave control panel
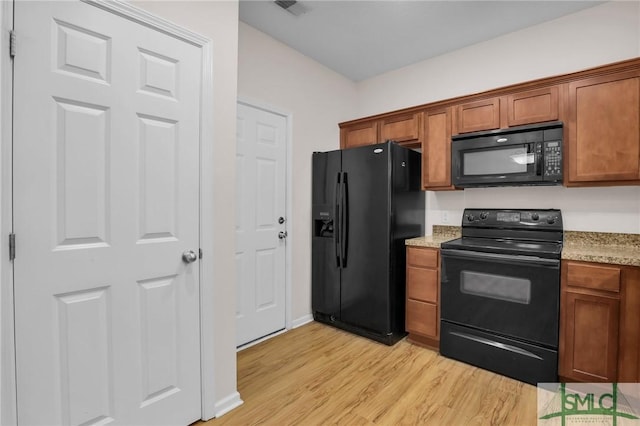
pixel 552 160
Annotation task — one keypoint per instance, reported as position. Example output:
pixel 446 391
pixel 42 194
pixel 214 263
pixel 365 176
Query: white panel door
pixel 260 246
pixel 106 178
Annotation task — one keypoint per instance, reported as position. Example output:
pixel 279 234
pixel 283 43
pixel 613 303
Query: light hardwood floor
pixel 318 375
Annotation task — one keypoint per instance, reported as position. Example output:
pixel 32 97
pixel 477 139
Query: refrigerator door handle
pixel 337 221
pixel 344 220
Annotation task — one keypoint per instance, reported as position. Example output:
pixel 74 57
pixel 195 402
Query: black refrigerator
pixel 366 201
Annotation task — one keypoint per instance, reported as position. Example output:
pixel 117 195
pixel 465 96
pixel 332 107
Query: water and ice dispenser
pixel 322 223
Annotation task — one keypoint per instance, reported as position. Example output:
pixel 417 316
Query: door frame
pixel 212 405
pixel 288 116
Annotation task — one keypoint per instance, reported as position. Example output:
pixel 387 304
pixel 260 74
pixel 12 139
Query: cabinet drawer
pixel 422 284
pixel 423 257
pixel 595 277
pixel 422 318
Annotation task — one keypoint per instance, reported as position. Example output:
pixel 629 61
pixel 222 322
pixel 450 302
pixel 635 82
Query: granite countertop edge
pixel 598 247
pixel 441 234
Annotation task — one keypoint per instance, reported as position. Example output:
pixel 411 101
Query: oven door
pixel 512 295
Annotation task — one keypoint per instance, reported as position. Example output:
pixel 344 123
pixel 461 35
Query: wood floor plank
pixel 319 375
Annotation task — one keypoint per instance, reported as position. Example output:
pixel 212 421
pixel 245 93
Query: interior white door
pixel 106 187
pixel 261 223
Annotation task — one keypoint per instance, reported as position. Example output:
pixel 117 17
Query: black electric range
pixel 500 292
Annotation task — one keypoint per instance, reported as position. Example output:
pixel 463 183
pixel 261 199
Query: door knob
pixel 282 235
pixel 189 256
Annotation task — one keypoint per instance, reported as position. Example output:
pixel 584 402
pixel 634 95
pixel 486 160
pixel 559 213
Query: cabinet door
pixel 359 134
pixel 405 129
pixel 604 130
pixel 436 150
pixel 479 115
pixel 589 335
pixel 533 106
pixel 629 345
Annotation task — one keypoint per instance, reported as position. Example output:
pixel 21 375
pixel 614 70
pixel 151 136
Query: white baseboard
pixel 302 321
pixel 227 404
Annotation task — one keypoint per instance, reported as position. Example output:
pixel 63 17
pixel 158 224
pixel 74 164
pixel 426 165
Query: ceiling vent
pixel 291 6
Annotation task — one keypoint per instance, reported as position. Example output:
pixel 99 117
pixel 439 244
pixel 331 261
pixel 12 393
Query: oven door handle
pixel 512 258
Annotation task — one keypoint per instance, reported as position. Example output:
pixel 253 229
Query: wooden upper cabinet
pixel 359 134
pixel 479 115
pixel 533 106
pixel 603 132
pixel 528 107
pixel 436 150
pixel 406 129
pixel 600 109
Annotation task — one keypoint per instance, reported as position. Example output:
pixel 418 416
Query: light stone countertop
pixel 600 247
pixel 440 234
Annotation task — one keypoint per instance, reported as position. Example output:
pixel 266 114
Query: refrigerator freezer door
pixel 366 278
pixel 325 245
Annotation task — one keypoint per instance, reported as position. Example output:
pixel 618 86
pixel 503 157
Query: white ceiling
pixel 362 39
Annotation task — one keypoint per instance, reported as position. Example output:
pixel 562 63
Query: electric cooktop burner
pixel 510 231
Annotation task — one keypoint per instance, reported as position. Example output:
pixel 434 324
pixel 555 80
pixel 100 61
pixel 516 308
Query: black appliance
pixel 366 202
pixel 523 155
pixel 500 292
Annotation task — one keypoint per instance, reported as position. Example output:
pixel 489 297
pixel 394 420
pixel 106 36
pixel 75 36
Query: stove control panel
pixel 513 218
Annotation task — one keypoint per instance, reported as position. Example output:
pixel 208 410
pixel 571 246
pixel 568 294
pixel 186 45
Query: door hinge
pixel 12 246
pixel 199 253
pixel 12 43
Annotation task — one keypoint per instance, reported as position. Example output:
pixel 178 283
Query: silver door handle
pixel 282 235
pixel 189 256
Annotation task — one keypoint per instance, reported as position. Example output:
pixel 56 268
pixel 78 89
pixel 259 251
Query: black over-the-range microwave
pixel 523 155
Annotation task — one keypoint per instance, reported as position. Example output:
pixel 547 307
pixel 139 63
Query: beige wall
pixel 592 37
pixel 218 20
pixel 317 100
pixel 273 73
pixel 599 35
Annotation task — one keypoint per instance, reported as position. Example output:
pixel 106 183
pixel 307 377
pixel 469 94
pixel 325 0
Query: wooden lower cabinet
pixel 423 296
pixel 599 331
pixel 591 337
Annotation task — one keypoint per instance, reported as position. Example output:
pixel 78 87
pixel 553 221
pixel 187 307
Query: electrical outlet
pixel 444 216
